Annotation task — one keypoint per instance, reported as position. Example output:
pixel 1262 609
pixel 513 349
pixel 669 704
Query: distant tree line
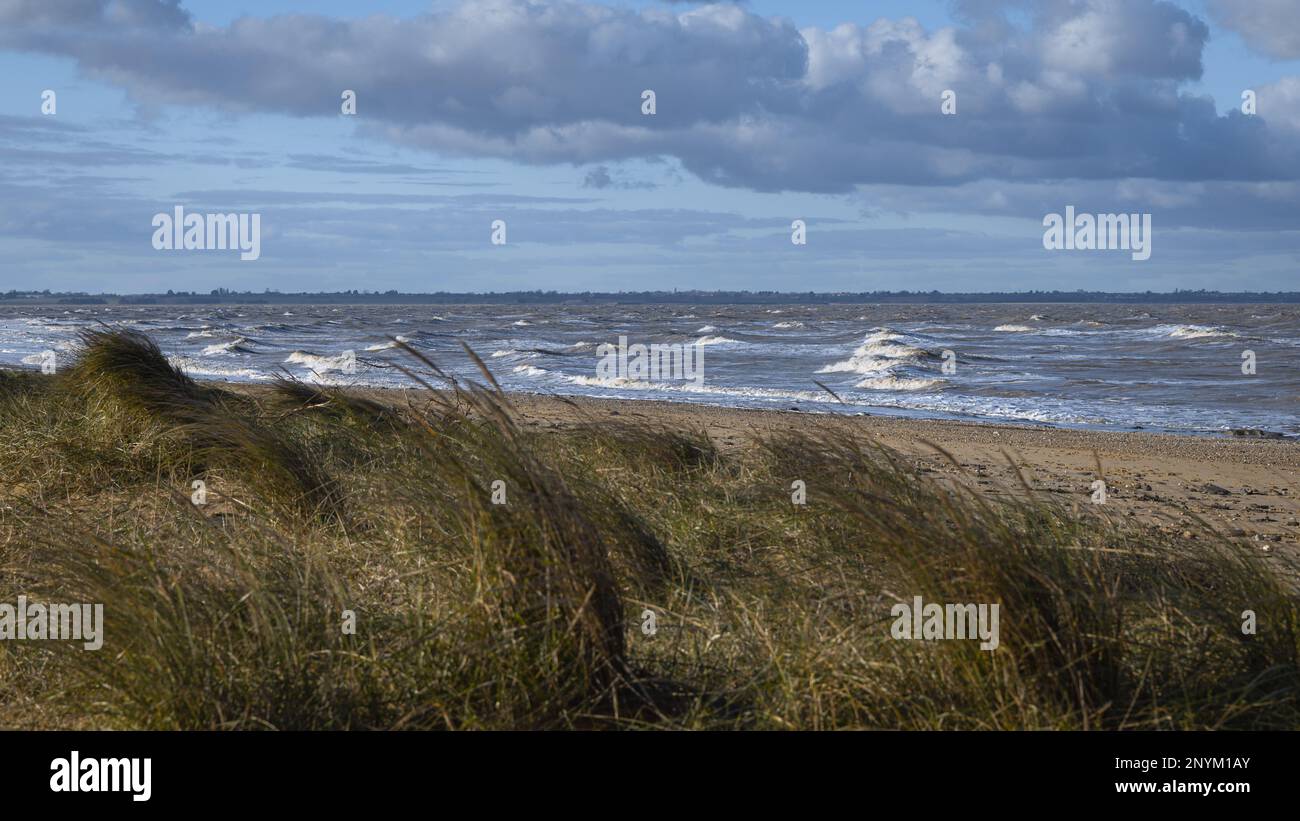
pixel 392 297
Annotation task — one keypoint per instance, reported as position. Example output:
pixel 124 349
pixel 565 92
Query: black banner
pixel 146 771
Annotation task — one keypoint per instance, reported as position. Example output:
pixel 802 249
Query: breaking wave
pixel 1193 331
pixel 319 363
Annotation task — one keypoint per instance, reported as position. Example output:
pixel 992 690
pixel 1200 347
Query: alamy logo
pixel 75 774
pixel 1102 232
pixel 179 231
pixel 639 363
pixel 53 622
pixel 933 622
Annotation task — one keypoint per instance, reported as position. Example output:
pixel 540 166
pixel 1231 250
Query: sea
pixel 1193 369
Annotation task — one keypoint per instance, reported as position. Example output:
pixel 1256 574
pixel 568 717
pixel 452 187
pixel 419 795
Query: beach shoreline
pixel 1247 489
pixel 1196 370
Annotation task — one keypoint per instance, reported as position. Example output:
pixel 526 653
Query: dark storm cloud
pixel 1089 89
pixel 598 177
pixel 601 178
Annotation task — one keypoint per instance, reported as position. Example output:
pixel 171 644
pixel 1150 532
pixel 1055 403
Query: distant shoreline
pixel 34 298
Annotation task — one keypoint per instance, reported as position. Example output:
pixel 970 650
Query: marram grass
pixel 496 575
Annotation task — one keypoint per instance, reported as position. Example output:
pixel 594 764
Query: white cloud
pixel 1279 104
pixel 1089 90
pixel 1271 27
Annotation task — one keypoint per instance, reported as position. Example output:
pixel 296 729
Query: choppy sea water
pixel 1158 367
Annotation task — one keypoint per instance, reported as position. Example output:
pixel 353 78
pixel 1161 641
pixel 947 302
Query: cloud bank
pixel 1085 89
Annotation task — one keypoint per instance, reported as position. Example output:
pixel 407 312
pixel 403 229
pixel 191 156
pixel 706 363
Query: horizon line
pixel 14 294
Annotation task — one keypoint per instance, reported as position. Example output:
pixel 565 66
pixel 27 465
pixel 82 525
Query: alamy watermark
pixel 77 774
pixel 639 363
pixel 33 621
pixel 179 231
pixel 1100 232
pixel 933 622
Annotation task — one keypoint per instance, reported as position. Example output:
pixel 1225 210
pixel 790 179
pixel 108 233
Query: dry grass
pixel 528 614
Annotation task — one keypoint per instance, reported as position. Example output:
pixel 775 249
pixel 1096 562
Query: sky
pixel 531 114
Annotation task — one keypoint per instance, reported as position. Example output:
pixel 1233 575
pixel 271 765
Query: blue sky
pixel 767 112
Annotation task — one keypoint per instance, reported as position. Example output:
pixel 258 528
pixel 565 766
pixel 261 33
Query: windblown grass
pixel 500 575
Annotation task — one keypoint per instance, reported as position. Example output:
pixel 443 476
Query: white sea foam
pixel 384 346
pixel 879 352
pixel 319 363
pixel 237 345
pixel 772 394
pixel 195 367
pixel 890 361
pixel 891 382
pixel 1193 331
pixel 717 340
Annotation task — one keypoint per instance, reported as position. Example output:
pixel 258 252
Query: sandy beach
pixel 1244 488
